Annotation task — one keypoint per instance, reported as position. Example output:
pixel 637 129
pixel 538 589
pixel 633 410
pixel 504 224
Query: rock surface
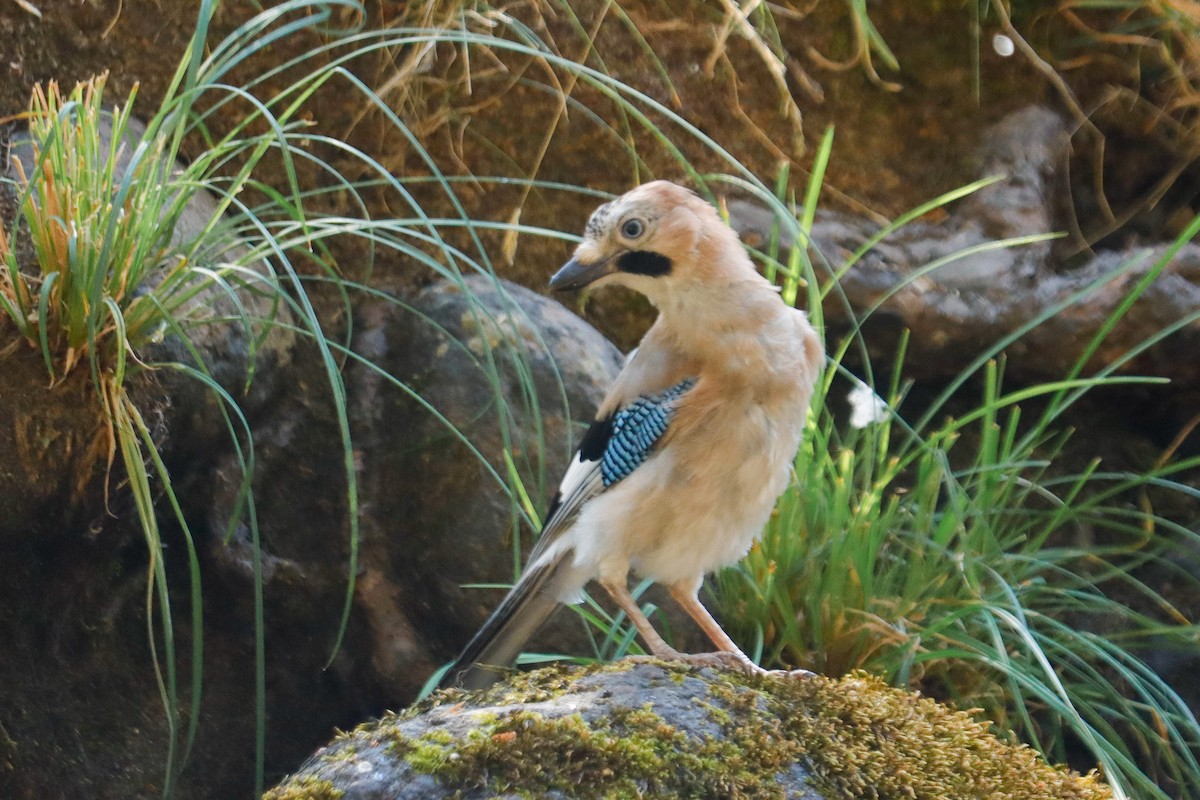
pixel 658 730
pixel 957 304
pixel 433 514
pixel 438 514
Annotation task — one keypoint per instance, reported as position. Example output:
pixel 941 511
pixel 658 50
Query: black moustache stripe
pixel 644 262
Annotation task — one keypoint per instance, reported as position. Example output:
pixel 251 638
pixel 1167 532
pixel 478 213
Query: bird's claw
pixel 718 659
pixel 792 674
pixel 722 659
pixel 738 662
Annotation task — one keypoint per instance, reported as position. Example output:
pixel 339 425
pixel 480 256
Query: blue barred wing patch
pixel 636 429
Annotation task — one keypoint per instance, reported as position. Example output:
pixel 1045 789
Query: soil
pixel 894 149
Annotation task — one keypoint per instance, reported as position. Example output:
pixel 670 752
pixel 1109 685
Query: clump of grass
pixel 94 228
pixel 946 555
pixel 100 222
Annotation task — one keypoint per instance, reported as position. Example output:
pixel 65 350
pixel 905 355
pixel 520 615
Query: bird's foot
pixel 739 662
pixel 719 660
pixel 791 674
pixel 723 659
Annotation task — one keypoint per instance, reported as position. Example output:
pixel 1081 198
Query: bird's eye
pixel 632 228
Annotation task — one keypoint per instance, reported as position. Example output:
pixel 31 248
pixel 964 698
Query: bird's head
pixel 653 239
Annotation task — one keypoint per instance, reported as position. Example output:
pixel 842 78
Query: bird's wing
pixel 611 450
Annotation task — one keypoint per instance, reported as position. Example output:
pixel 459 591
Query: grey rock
pixel 1027 150
pixel 434 516
pixel 958 304
pixel 508 370
pixel 664 715
pixel 653 729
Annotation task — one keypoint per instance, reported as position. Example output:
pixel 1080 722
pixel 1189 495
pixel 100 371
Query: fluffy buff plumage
pixel 704 422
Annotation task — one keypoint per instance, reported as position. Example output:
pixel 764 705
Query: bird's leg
pixel 729 654
pixel 620 594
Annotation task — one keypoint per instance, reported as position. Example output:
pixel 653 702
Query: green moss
pixel 634 753
pixel 431 753
pixel 864 738
pixel 305 787
pixel 856 736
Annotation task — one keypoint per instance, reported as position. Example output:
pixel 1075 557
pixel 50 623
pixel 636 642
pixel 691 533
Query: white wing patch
pixel 581 482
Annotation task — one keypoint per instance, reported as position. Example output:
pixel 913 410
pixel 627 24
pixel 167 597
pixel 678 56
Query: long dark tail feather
pixel 495 647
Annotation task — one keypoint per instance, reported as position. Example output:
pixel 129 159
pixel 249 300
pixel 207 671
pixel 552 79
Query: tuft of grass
pixel 955 556
pixel 95 230
pixel 99 212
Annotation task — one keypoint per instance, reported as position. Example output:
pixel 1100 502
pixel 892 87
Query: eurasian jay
pixel 679 472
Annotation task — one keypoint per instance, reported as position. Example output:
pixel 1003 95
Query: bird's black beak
pixel 576 274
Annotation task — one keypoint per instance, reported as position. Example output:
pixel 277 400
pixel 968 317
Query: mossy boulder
pixel 649 729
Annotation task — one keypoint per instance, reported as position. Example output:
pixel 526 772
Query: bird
pixel 679 472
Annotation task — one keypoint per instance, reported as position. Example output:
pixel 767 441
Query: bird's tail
pixel 498 643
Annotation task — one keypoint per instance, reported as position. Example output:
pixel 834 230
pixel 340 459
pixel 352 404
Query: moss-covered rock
pixel 659 730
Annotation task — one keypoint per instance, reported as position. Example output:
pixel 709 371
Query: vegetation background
pixel 966 543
